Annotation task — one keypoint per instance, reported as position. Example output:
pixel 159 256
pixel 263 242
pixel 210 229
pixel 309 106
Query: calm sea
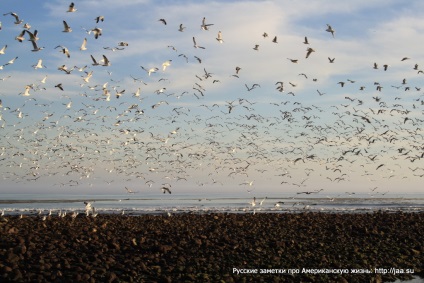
pixel 199 203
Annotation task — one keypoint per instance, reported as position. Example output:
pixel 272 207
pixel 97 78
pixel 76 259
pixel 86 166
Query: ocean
pixel 135 204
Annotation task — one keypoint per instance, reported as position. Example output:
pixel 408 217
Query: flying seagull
pixel 219 38
pixel 309 51
pixel 17 20
pixel 330 29
pixel 130 191
pixel 71 8
pixel 165 189
pixel 181 28
pixel 66 27
pixel 84 44
pixel 195 44
pixel 205 26
pixel 3 50
pixel 99 19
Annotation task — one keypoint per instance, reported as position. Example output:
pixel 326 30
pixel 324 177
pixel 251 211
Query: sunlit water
pixel 194 203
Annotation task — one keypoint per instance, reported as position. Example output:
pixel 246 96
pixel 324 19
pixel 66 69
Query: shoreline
pixel 213 247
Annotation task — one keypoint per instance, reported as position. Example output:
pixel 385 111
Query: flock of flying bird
pixel 106 135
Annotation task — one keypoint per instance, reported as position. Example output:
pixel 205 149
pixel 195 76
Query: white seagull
pixel 71 8
pixel 84 45
pixel 219 38
pixel 205 26
pixel 66 27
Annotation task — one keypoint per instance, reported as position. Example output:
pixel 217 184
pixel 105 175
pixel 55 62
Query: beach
pixel 213 247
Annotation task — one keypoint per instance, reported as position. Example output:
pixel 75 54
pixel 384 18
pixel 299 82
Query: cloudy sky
pixel 200 125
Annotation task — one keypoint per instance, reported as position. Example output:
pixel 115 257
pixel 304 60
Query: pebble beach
pixel 261 247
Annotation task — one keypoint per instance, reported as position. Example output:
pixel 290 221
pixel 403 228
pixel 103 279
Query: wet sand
pixel 303 247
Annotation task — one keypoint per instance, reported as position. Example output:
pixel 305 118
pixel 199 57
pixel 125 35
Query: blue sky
pixel 77 140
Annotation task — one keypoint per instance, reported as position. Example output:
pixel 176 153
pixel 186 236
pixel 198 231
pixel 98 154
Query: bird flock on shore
pixel 140 132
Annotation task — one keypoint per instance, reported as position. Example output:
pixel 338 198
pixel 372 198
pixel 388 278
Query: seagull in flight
pixel 330 29
pixel 219 38
pixel 151 70
pixel 309 51
pixel 195 44
pixel 66 27
pixel 17 20
pixel 130 191
pixel 99 19
pixel 35 47
pixel 165 189
pixel 205 26
pixel 3 50
pixel 181 28
pixel 71 8
pixel 84 45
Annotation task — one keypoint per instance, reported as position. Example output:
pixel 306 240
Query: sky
pixel 222 117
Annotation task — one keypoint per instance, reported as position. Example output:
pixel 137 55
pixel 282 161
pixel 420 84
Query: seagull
pixel 26 92
pixel 130 191
pixel 99 19
pixel 20 37
pixel 105 61
pixel 166 64
pixel 205 26
pixel 39 64
pixel 195 44
pixel 331 60
pixel 17 20
pixel 95 63
pixel 35 47
pixel 84 44
pixel 306 41
pixel 88 207
pixel 97 32
pixel 151 70
pixel 320 93
pixel 309 51
pixel 165 189
pixel 3 50
pixel 275 39
pixel 11 61
pixel 71 8
pixel 181 28
pixel 66 28
pixel 59 86
pixel 330 29
pixel 163 21
pixel 256 47
pixel 64 50
pixel 219 38
pixel 32 36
